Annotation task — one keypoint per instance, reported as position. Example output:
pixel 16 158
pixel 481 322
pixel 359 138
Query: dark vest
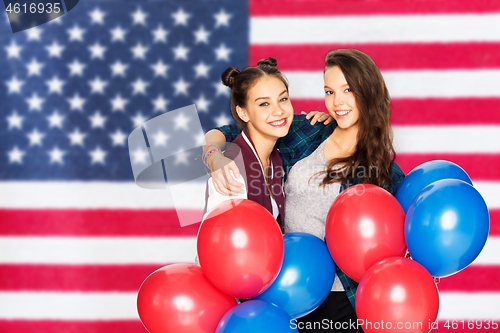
pixel 254 181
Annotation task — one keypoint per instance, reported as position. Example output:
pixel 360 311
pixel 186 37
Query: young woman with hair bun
pixel 356 148
pixel 263 112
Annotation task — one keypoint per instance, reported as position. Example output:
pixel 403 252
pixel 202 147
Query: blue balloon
pixel 424 175
pixel 256 317
pixel 447 226
pixel 306 276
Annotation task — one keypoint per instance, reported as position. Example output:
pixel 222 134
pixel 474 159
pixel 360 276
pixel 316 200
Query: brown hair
pixel 374 140
pixel 241 82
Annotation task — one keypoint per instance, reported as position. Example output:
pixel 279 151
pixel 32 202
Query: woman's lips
pixel 342 113
pixel 278 123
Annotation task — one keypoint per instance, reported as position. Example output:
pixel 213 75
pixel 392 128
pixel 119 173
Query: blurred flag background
pixel 77 236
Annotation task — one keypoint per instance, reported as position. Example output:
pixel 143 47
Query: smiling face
pixel 339 100
pixel 268 111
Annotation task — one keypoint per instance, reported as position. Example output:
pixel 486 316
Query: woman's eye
pixel 284 99
pixel 264 104
pixel 328 92
pixel 348 90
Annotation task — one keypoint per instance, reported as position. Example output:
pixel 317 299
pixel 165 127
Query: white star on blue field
pixel 74 88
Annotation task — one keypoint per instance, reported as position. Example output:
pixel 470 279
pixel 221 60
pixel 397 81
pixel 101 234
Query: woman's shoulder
pixel 243 147
pixel 235 147
pixel 301 134
pixel 397 176
pixel 396 170
pixel 301 122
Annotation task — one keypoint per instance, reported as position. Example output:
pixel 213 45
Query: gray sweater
pixel 307 203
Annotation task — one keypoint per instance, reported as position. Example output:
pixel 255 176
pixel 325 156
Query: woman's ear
pixel 242 113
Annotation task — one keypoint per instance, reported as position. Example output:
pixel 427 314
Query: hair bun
pixel 229 75
pixel 268 62
pixel 330 54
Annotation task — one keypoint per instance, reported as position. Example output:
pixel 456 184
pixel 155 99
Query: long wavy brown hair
pixel 371 161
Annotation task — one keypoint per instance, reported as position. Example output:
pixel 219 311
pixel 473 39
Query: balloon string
pixel 407 255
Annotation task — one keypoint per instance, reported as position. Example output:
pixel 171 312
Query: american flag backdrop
pixel 78 237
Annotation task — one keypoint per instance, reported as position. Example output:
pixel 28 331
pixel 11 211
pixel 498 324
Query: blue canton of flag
pixel 73 89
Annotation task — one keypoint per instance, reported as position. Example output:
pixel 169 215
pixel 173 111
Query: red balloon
pixel 364 225
pixel 397 294
pixel 179 298
pixel 240 248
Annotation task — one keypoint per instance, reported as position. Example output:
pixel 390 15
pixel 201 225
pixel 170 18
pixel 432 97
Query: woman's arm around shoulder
pixel 300 136
pixel 219 165
pixel 302 130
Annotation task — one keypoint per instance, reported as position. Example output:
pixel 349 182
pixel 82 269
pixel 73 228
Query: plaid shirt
pixel 301 141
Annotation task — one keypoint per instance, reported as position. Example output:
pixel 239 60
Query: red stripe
pixel 437 111
pixel 387 56
pixel 300 104
pixel 428 111
pixel 482 167
pixel 70 326
pixel 494 222
pixel 341 7
pixel 99 222
pixel 71 278
pixel 108 278
pixel 83 223
pixel 472 279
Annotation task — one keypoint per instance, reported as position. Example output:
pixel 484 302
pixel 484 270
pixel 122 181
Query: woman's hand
pixel 222 177
pixel 318 116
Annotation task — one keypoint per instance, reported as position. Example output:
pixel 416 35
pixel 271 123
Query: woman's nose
pixel 278 111
pixel 337 100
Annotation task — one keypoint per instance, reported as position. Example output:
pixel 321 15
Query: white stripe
pixel 108 195
pixel 96 250
pixel 447 139
pixel 68 306
pixel 113 195
pixel 489 254
pixel 131 250
pixel 122 306
pixel 469 306
pixel 410 84
pixel 374 29
pixel 490 192
pixel 444 83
